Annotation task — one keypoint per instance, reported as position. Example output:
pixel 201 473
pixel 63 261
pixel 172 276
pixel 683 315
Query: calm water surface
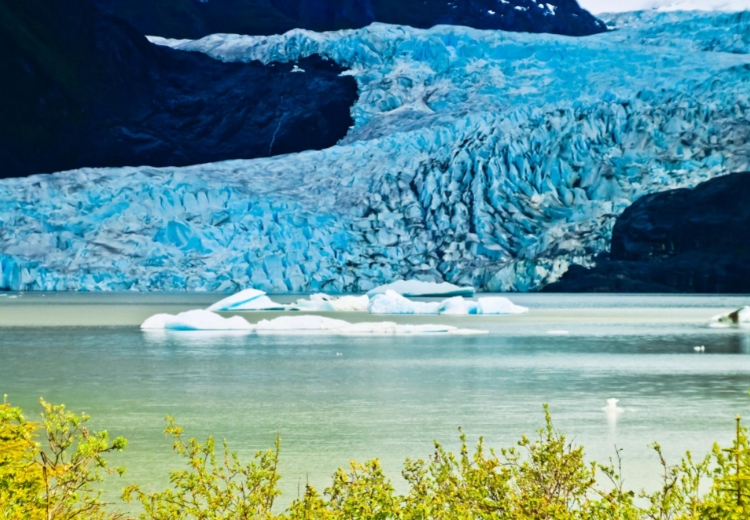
pixel 332 399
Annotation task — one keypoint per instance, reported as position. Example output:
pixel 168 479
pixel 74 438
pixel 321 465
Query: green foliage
pixel 54 478
pixel 543 478
pixel 211 487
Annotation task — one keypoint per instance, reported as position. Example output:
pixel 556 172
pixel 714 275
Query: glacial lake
pixel 332 399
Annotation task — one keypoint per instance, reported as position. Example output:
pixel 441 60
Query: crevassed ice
pixel 479 158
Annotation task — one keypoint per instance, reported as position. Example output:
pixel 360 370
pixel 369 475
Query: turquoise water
pixel 332 399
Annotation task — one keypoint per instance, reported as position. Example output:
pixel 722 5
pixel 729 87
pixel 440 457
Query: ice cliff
pixel 479 158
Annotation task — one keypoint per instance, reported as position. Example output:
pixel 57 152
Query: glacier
pixel 479 158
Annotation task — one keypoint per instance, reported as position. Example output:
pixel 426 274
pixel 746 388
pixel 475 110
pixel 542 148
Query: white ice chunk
pixel 458 306
pixel 261 303
pixel 738 317
pixel 156 322
pixel 195 320
pixel 419 288
pixel 393 303
pixel 327 303
pixel 612 407
pixel 235 300
pixel 299 323
pixel 499 305
pixel 388 327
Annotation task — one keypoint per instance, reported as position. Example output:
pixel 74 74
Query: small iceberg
pixel 700 348
pixel 195 320
pixel 393 303
pixel 300 323
pixel 612 408
pixel 499 305
pixel 327 303
pixel 248 300
pixel 419 288
pixel 739 317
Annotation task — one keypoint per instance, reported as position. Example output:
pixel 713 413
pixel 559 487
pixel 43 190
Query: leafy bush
pixel 545 477
pixel 54 478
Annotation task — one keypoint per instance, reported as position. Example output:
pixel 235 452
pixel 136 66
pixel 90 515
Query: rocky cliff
pixel 198 18
pixel 81 88
pixel 676 241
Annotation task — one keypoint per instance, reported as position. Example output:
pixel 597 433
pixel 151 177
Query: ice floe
pixel 300 323
pixel 198 319
pixel 499 305
pixel 327 303
pixel 203 320
pixel 612 407
pixel 240 298
pixel 393 303
pixel 420 288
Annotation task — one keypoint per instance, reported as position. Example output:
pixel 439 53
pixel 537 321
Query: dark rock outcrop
pixel 676 241
pixel 81 88
pixel 196 18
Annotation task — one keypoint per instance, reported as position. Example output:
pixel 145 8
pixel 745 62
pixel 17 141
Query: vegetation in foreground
pixel 51 469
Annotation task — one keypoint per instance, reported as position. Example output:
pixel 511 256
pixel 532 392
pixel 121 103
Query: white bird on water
pixel 701 348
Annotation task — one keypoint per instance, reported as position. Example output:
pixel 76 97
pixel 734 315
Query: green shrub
pixel 543 478
pixel 53 478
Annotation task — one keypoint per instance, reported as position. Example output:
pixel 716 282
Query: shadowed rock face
pixel 676 241
pixel 195 18
pixel 82 88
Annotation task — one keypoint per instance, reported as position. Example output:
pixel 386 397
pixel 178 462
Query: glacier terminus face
pixel 479 158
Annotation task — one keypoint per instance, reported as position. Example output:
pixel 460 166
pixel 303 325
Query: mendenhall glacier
pixel 483 158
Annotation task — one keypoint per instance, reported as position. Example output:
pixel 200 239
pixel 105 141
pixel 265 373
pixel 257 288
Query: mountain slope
pixel 195 19
pixel 676 241
pixel 82 88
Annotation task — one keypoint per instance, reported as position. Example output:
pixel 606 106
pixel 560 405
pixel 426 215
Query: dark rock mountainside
pixel 198 18
pixel 81 88
pixel 676 241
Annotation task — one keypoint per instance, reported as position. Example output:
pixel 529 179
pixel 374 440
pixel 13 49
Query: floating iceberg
pixel 393 303
pixel 248 300
pixel 499 305
pixel 327 303
pixel 481 158
pixel 387 327
pixel 300 323
pixel 739 317
pixel 195 320
pixel 458 306
pixel 420 288
pixel 203 320
pixel 612 408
